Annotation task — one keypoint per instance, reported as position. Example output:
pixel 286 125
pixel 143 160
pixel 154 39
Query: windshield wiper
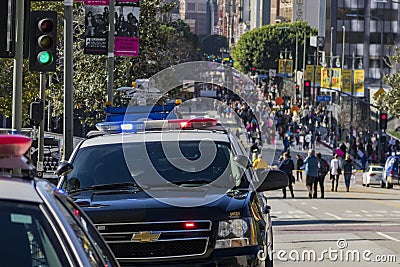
pixel 194 181
pixel 112 186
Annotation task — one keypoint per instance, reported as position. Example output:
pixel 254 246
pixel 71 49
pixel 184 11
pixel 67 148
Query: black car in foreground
pixel 174 193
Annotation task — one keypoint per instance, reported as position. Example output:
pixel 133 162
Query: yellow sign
pixel 379 92
pixel 309 74
pixel 285 66
pixel 326 80
pixel 359 83
pixel 346 81
pixel 145 237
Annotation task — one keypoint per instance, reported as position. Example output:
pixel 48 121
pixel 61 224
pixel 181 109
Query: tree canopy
pixel 261 47
pixel 391 100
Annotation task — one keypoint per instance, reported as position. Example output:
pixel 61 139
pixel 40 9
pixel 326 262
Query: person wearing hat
pixel 287 166
pixel 348 171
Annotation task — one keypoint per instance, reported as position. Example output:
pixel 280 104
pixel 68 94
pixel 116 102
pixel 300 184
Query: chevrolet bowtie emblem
pixel 145 237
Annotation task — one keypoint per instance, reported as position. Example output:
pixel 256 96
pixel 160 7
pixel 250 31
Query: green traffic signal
pixel 45 58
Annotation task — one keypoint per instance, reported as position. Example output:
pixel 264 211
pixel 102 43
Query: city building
pixel 197 14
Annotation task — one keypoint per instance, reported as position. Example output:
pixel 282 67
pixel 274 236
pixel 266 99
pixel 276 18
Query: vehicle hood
pixel 140 207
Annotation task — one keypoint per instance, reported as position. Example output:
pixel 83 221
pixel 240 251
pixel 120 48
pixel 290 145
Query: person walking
pixel 308 140
pixel 260 163
pixel 348 171
pixel 299 165
pixel 335 172
pixel 311 169
pixel 287 166
pixel 323 169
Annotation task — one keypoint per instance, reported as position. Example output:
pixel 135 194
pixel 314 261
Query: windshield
pixel 108 164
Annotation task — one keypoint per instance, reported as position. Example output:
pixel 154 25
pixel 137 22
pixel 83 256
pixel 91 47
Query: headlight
pixel 224 229
pixel 235 233
pixel 239 227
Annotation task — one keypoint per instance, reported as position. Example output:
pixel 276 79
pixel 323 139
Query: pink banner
pixel 126 46
pixel 97 2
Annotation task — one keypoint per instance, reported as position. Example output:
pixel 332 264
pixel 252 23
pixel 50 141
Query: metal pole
pixel 314 78
pixel 295 62
pixel 380 86
pixel 18 67
pixel 351 103
pixel 49 106
pixel 330 76
pixel 344 33
pixel 68 80
pixel 304 70
pixel 42 96
pixel 110 59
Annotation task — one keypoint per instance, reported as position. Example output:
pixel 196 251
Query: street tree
pixel 391 100
pixel 261 47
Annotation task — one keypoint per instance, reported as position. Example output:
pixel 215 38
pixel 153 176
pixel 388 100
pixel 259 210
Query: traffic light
pixel 297 97
pixel 307 89
pixel 253 71
pixel 43 41
pixel 383 120
pixel 36 111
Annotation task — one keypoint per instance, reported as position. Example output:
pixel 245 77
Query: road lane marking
pixel 388 237
pixel 334 216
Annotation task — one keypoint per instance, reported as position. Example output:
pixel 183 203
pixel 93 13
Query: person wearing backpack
pixel 287 166
pixel 323 169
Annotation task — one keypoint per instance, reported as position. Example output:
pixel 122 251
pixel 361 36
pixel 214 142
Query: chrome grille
pixel 173 239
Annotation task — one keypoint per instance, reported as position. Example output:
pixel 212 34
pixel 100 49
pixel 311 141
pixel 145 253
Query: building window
pixel 191 6
pixel 201 7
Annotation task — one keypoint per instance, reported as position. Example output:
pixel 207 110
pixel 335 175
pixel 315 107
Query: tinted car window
pixel 27 237
pixel 80 232
pixel 92 232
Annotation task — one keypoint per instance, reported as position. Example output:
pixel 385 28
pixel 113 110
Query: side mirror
pixel 242 161
pixel 64 168
pixel 272 180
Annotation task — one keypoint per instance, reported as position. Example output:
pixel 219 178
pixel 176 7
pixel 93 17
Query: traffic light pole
pixel 68 80
pixel 18 67
pixel 110 59
pixel 42 96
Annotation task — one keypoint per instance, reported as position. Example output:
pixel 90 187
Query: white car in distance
pixel 372 176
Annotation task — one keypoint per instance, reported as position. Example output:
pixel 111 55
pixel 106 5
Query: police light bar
pixel 14 145
pixel 148 125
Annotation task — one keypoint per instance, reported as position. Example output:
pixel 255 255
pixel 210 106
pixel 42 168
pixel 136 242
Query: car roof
pixel 18 189
pixel 186 135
